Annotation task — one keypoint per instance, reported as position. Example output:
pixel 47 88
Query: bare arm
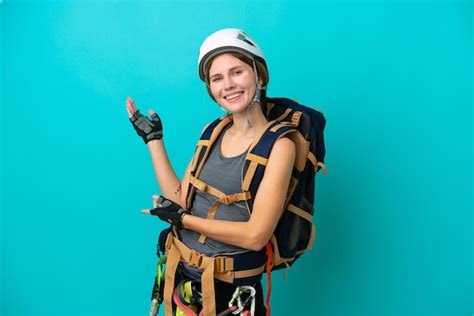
pixel 267 208
pixel 170 185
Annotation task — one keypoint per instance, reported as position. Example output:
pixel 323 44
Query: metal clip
pixel 237 296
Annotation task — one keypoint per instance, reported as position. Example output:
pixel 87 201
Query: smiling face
pixel 232 82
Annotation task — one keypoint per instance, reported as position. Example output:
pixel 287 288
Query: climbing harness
pixel 188 300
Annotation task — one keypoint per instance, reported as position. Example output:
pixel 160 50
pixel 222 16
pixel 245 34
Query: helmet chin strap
pixel 257 96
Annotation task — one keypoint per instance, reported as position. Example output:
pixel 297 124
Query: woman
pixel 234 70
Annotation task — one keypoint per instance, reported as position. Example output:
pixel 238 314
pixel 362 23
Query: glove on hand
pixel 146 128
pixel 169 211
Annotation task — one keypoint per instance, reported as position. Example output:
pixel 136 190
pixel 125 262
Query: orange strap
pixel 323 166
pixel 269 276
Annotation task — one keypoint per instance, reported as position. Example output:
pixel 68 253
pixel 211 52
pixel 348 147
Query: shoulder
pixel 283 152
pixel 283 146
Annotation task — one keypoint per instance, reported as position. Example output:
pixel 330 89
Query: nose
pixel 228 83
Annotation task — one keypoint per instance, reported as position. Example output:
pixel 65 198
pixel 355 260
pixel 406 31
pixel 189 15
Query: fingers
pixel 145 211
pixel 155 200
pixel 128 105
pixel 131 108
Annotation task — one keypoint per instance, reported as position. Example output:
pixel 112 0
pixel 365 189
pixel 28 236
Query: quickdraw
pixel 158 287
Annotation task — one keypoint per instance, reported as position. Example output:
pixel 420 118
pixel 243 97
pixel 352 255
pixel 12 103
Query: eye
pixel 215 79
pixel 237 72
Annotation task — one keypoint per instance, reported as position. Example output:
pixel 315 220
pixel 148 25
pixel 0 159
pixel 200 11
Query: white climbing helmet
pixel 229 40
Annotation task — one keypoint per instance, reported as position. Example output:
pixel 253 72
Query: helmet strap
pixel 258 93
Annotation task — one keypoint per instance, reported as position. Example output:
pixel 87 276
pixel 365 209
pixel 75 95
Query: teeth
pixel 233 95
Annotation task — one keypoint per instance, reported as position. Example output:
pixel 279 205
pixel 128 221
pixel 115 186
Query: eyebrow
pixel 231 69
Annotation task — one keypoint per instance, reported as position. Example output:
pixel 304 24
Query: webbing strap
pixel 323 166
pixel 249 175
pixel 173 258
pixel 312 158
pixel 227 199
pixel 258 159
pixel 295 118
pixel 313 237
pixel 282 124
pixel 204 187
pixel 203 142
pixel 302 149
pixel 298 211
pixel 207 287
pixel 222 198
pixel 284 115
pixel 255 160
pixel 316 163
pixel 230 276
pixel 198 163
pixel 196 158
pixel 259 136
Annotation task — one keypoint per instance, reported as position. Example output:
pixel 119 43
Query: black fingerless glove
pixel 146 128
pixel 169 211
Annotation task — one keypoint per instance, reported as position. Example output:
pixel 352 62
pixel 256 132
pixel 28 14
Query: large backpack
pixel 295 231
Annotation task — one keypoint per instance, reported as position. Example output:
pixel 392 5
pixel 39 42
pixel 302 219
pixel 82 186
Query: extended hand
pixel 148 129
pixel 167 211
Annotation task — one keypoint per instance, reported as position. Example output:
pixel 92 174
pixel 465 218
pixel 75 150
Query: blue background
pixel 394 215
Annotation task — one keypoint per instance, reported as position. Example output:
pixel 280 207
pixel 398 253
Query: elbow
pixel 256 242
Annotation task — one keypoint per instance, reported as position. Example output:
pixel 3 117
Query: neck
pixel 241 120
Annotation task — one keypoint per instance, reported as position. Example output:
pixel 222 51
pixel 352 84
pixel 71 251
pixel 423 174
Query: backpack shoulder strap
pixel 207 139
pixel 258 154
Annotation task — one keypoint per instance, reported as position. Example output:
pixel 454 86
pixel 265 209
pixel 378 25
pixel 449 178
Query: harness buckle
pixel 195 259
pixel 219 264
pixel 227 199
pixel 230 199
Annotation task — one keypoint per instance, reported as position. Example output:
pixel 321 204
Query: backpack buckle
pixel 230 199
pixel 295 119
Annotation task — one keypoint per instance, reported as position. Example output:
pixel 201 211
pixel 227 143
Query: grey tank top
pixel 224 174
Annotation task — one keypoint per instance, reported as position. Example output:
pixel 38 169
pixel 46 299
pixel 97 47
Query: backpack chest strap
pixel 222 198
